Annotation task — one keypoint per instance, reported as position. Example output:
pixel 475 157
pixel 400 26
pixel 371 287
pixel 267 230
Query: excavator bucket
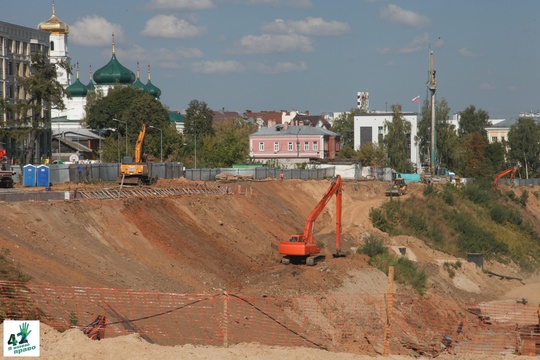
pixel 96 329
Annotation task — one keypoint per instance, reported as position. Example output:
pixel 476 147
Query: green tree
pixel 199 119
pixel 472 120
pixel 344 126
pixel 446 136
pixel 133 107
pixel 100 113
pixel 495 155
pixel 229 145
pixel 40 91
pixel 371 154
pixel 347 152
pixel 397 141
pixel 524 144
pixel 472 155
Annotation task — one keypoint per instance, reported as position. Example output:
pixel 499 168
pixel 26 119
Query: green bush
pixel 478 194
pixel 502 214
pixel 448 197
pixel 429 190
pixel 499 214
pixel 405 271
pixel 523 198
pixel 378 219
pixel 372 247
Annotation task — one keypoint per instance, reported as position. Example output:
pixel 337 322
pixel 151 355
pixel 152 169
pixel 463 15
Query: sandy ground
pixel 73 344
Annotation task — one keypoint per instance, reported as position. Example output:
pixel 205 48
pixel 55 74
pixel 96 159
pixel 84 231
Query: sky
pixel 310 55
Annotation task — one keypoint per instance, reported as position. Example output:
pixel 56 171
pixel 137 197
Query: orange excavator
pixel 301 248
pixel 511 171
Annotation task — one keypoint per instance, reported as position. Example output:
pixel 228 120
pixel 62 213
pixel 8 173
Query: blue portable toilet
pixel 43 175
pixel 29 175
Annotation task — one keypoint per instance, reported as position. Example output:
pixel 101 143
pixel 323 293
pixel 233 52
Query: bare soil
pixel 200 243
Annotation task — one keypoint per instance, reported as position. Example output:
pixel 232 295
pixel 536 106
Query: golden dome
pixel 54 25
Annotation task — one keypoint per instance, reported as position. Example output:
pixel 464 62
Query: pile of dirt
pixel 74 344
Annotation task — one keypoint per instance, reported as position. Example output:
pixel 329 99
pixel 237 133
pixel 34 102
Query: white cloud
pixel 93 30
pixel 383 51
pixel 181 4
pixel 468 53
pixel 168 26
pixel 280 3
pixel 161 57
pixel 309 27
pixel 213 67
pixel 395 14
pixel 283 67
pixel 416 45
pixel 512 88
pixel 268 43
pixel 486 86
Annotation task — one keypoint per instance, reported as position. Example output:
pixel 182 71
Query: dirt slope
pixel 201 243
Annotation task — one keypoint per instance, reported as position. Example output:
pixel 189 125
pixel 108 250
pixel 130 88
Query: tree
pixel 472 155
pixel 446 136
pixel 40 92
pixel 397 141
pixel 472 120
pixel 524 144
pixel 344 125
pixel 199 118
pixel 495 155
pixel 229 145
pixel 135 108
pixel 347 152
pixel 371 154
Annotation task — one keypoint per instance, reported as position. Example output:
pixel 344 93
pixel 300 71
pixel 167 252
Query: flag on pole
pixel 416 99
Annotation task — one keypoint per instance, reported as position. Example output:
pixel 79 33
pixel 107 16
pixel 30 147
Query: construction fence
pixel 356 323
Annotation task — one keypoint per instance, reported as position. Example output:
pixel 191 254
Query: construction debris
pixel 228 177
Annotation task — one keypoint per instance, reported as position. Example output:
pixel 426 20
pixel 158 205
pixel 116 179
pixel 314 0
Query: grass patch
pixel 405 271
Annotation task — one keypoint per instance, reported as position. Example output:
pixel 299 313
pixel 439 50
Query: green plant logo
pixel 21 338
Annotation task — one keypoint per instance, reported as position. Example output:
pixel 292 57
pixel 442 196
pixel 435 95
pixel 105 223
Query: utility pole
pixel 432 86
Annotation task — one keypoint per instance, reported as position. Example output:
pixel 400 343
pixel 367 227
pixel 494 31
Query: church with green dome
pixel 102 80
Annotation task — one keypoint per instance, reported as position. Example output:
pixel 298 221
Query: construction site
pixel 195 270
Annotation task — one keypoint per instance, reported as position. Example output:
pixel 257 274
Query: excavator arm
pixel 511 171
pixel 334 189
pixel 139 145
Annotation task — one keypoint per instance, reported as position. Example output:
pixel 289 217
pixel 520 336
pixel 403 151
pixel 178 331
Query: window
pixel 502 138
pixel 276 147
pixel 289 146
pixel 306 146
pixel 315 146
pixel 261 146
pixel 52 45
pixel 494 139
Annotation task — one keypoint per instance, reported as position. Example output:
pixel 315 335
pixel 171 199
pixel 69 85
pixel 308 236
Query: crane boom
pixel 303 246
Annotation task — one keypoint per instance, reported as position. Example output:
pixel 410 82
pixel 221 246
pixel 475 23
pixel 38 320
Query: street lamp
pixel 125 123
pixel 161 139
pixel 195 150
